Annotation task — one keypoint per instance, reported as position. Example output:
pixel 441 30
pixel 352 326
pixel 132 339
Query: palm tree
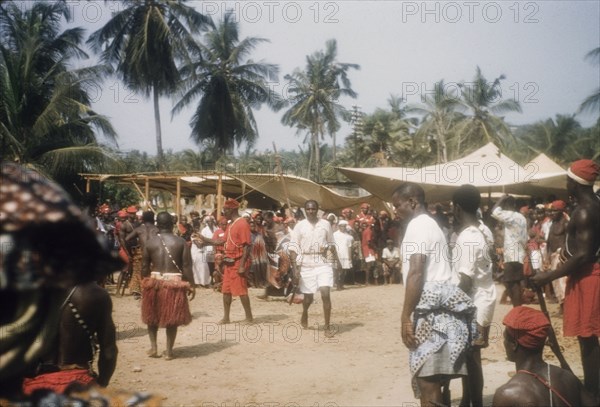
pixel 46 119
pixel 228 86
pixel 386 133
pixel 144 42
pixel 483 100
pixel 314 95
pixel 440 116
pixel 553 137
pixel 592 102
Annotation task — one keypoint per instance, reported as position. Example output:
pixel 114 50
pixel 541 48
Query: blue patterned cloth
pixel 445 315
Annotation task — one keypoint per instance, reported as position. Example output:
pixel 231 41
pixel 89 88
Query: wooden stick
pixel 551 334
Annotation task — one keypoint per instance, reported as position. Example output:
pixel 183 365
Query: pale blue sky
pixel 402 48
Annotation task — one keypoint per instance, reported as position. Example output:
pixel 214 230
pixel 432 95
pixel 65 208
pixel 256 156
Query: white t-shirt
pixel 515 234
pixel 424 236
pixel 343 246
pixel 390 254
pixel 309 240
pixel 470 257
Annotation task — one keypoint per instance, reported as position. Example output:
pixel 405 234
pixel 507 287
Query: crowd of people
pixel 448 256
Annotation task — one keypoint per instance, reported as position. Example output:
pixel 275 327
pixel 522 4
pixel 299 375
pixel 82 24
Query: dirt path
pixel 275 363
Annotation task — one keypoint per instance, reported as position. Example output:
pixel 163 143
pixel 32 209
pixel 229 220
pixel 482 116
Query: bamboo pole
pixel 142 195
pixel 219 194
pixel 87 186
pixel 147 193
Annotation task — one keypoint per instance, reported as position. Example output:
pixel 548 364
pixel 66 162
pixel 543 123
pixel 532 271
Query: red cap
pixel 231 204
pixel 122 214
pixel 528 326
pixel 559 205
pixel 132 209
pixel 584 172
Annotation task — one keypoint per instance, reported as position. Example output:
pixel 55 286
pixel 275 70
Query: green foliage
pixel 314 99
pixel 228 87
pixel 144 42
pixel 46 119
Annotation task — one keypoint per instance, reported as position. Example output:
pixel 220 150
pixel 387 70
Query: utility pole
pixel 356 130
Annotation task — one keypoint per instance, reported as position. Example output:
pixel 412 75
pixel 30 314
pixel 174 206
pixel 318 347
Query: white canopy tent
pixel 486 168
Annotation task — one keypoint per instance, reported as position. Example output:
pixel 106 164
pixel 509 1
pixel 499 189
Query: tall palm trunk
pixel 311 154
pixel 334 147
pixel 159 149
pixel 317 158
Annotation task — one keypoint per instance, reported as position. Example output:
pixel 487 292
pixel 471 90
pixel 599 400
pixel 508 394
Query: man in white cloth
pixel 473 268
pixel 515 244
pixel 208 232
pixel 200 254
pixel 436 315
pixel 311 241
pixel 343 243
pixel 390 262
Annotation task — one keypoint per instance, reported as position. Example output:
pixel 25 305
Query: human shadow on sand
pixel 343 328
pixel 130 330
pixel 201 349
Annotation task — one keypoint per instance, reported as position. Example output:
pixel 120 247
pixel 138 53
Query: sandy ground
pixel 275 363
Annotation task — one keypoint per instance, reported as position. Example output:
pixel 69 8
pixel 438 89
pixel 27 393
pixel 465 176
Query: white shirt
pixel 343 246
pixel 424 236
pixel 470 257
pixel 309 240
pixel 515 234
pixel 390 254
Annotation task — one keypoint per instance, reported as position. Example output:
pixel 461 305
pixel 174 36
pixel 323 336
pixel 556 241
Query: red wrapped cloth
pixel 165 303
pixel 528 326
pixel 57 381
pixel 581 315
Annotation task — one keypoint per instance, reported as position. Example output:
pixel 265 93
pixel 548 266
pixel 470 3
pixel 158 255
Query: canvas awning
pixel 260 190
pixel 486 168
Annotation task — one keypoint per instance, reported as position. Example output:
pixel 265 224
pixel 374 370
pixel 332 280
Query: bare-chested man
pixel 166 253
pixel 132 249
pixel 140 235
pixel 86 334
pixel 536 383
pixel 582 267
pixel 556 245
pixel 42 256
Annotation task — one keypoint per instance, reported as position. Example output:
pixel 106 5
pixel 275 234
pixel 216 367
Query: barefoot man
pixel 436 315
pixel 581 313
pixel 237 244
pixel 164 302
pixel 310 242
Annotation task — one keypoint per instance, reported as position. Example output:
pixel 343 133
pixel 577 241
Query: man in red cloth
pixel 536 383
pixel 237 245
pixel 582 249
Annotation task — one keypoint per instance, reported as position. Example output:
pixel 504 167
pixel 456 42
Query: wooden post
pixel 178 199
pixel 147 193
pixel 219 194
pixel 87 185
